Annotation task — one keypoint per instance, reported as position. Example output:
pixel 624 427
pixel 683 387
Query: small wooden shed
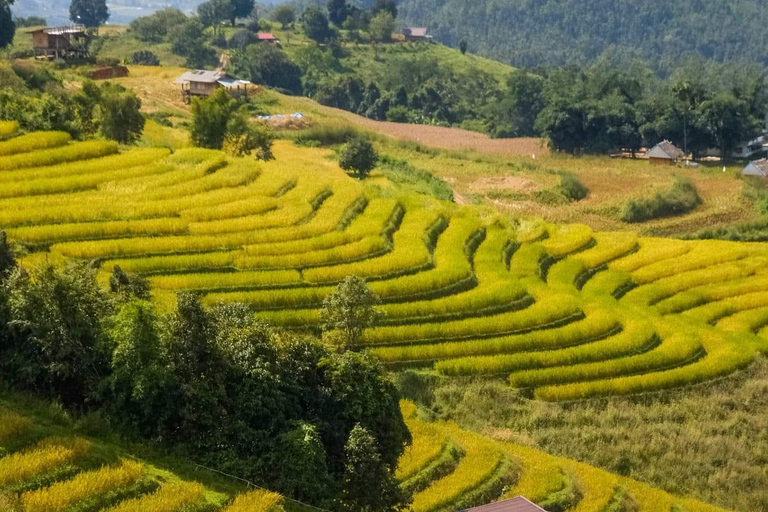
pixel 756 168
pixel 519 504
pixel 202 84
pixel 416 34
pixel 66 42
pixel 664 153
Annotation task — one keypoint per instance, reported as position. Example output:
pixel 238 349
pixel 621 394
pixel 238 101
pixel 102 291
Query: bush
pixel 144 58
pixel 571 187
pixel 681 198
pixel 359 156
pixel 243 138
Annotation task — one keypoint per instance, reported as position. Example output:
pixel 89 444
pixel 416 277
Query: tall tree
pixel 315 24
pixel 338 10
pixel 210 117
pixel 241 9
pixel 90 13
pixel 120 118
pixel 369 483
pixel 7 26
pixel 350 309
pixel 284 14
pixel 7 261
pixel 213 12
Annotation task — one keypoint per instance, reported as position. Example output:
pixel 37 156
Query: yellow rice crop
pixel 83 486
pixel 36 141
pixel 47 455
pixel 170 497
pixel 255 501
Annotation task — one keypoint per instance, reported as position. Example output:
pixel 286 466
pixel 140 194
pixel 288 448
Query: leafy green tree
pixel 359 156
pixel 369 483
pixel 381 27
pixel 58 320
pixel 120 118
pixel 241 9
pixel 7 26
pixel 135 390
pixel 522 103
pixel 350 309
pixel 284 14
pixel 243 138
pixel 90 13
pixel 301 449
pixel 155 28
pixel 315 24
pixel 729 121
pixel 213 12
pixel 338 10
pixel 269 65
pixel 210 117
pixel 186 37
pixel 358 384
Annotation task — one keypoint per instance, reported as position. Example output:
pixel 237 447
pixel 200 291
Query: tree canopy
pixel 90 13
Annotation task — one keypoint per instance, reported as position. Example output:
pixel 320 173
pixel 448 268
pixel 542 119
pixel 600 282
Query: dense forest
pixel 533 33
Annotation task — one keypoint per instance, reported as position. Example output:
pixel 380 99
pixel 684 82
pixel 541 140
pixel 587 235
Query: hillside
pixel 52 463
pixel 570 32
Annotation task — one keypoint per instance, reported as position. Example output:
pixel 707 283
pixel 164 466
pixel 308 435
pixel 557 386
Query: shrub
pixel 359 156
pixel 571 187
pixel 144 58
pixel 681 198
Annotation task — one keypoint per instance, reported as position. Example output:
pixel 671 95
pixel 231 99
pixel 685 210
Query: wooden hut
pixel 67 42
pixel 664 153
pixel 202 84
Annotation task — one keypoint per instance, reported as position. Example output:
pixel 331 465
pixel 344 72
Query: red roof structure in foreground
pixel 518 504
pixel 266 36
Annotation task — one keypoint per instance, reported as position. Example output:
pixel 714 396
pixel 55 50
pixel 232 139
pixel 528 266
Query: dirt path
pixel 449 138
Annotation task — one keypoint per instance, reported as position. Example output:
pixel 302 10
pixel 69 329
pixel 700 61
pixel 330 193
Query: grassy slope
pixel 715 431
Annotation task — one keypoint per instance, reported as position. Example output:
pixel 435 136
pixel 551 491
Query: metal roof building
pixel 519 504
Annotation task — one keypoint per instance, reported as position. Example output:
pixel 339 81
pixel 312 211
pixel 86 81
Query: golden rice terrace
pixel 559 310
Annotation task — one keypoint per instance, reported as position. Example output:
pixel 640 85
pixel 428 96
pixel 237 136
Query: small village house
pixel 416 34
pixel 756 168
pixel 67 42
pixel 664 153
pixel 202 84
pixel 519 504
pixel 266 37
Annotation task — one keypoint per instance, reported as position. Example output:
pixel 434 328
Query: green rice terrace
pixel 562 312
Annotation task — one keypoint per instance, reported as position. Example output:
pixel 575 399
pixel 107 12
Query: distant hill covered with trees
pixel 553 33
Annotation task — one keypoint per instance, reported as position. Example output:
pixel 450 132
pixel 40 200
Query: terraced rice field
pixel 45 469
pixel 44 473
pixel 559 310
pixel 450 469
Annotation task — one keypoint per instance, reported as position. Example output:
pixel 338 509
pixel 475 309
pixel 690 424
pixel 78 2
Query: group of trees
pixel 317 424
pixel 36 98
pixel 600 108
